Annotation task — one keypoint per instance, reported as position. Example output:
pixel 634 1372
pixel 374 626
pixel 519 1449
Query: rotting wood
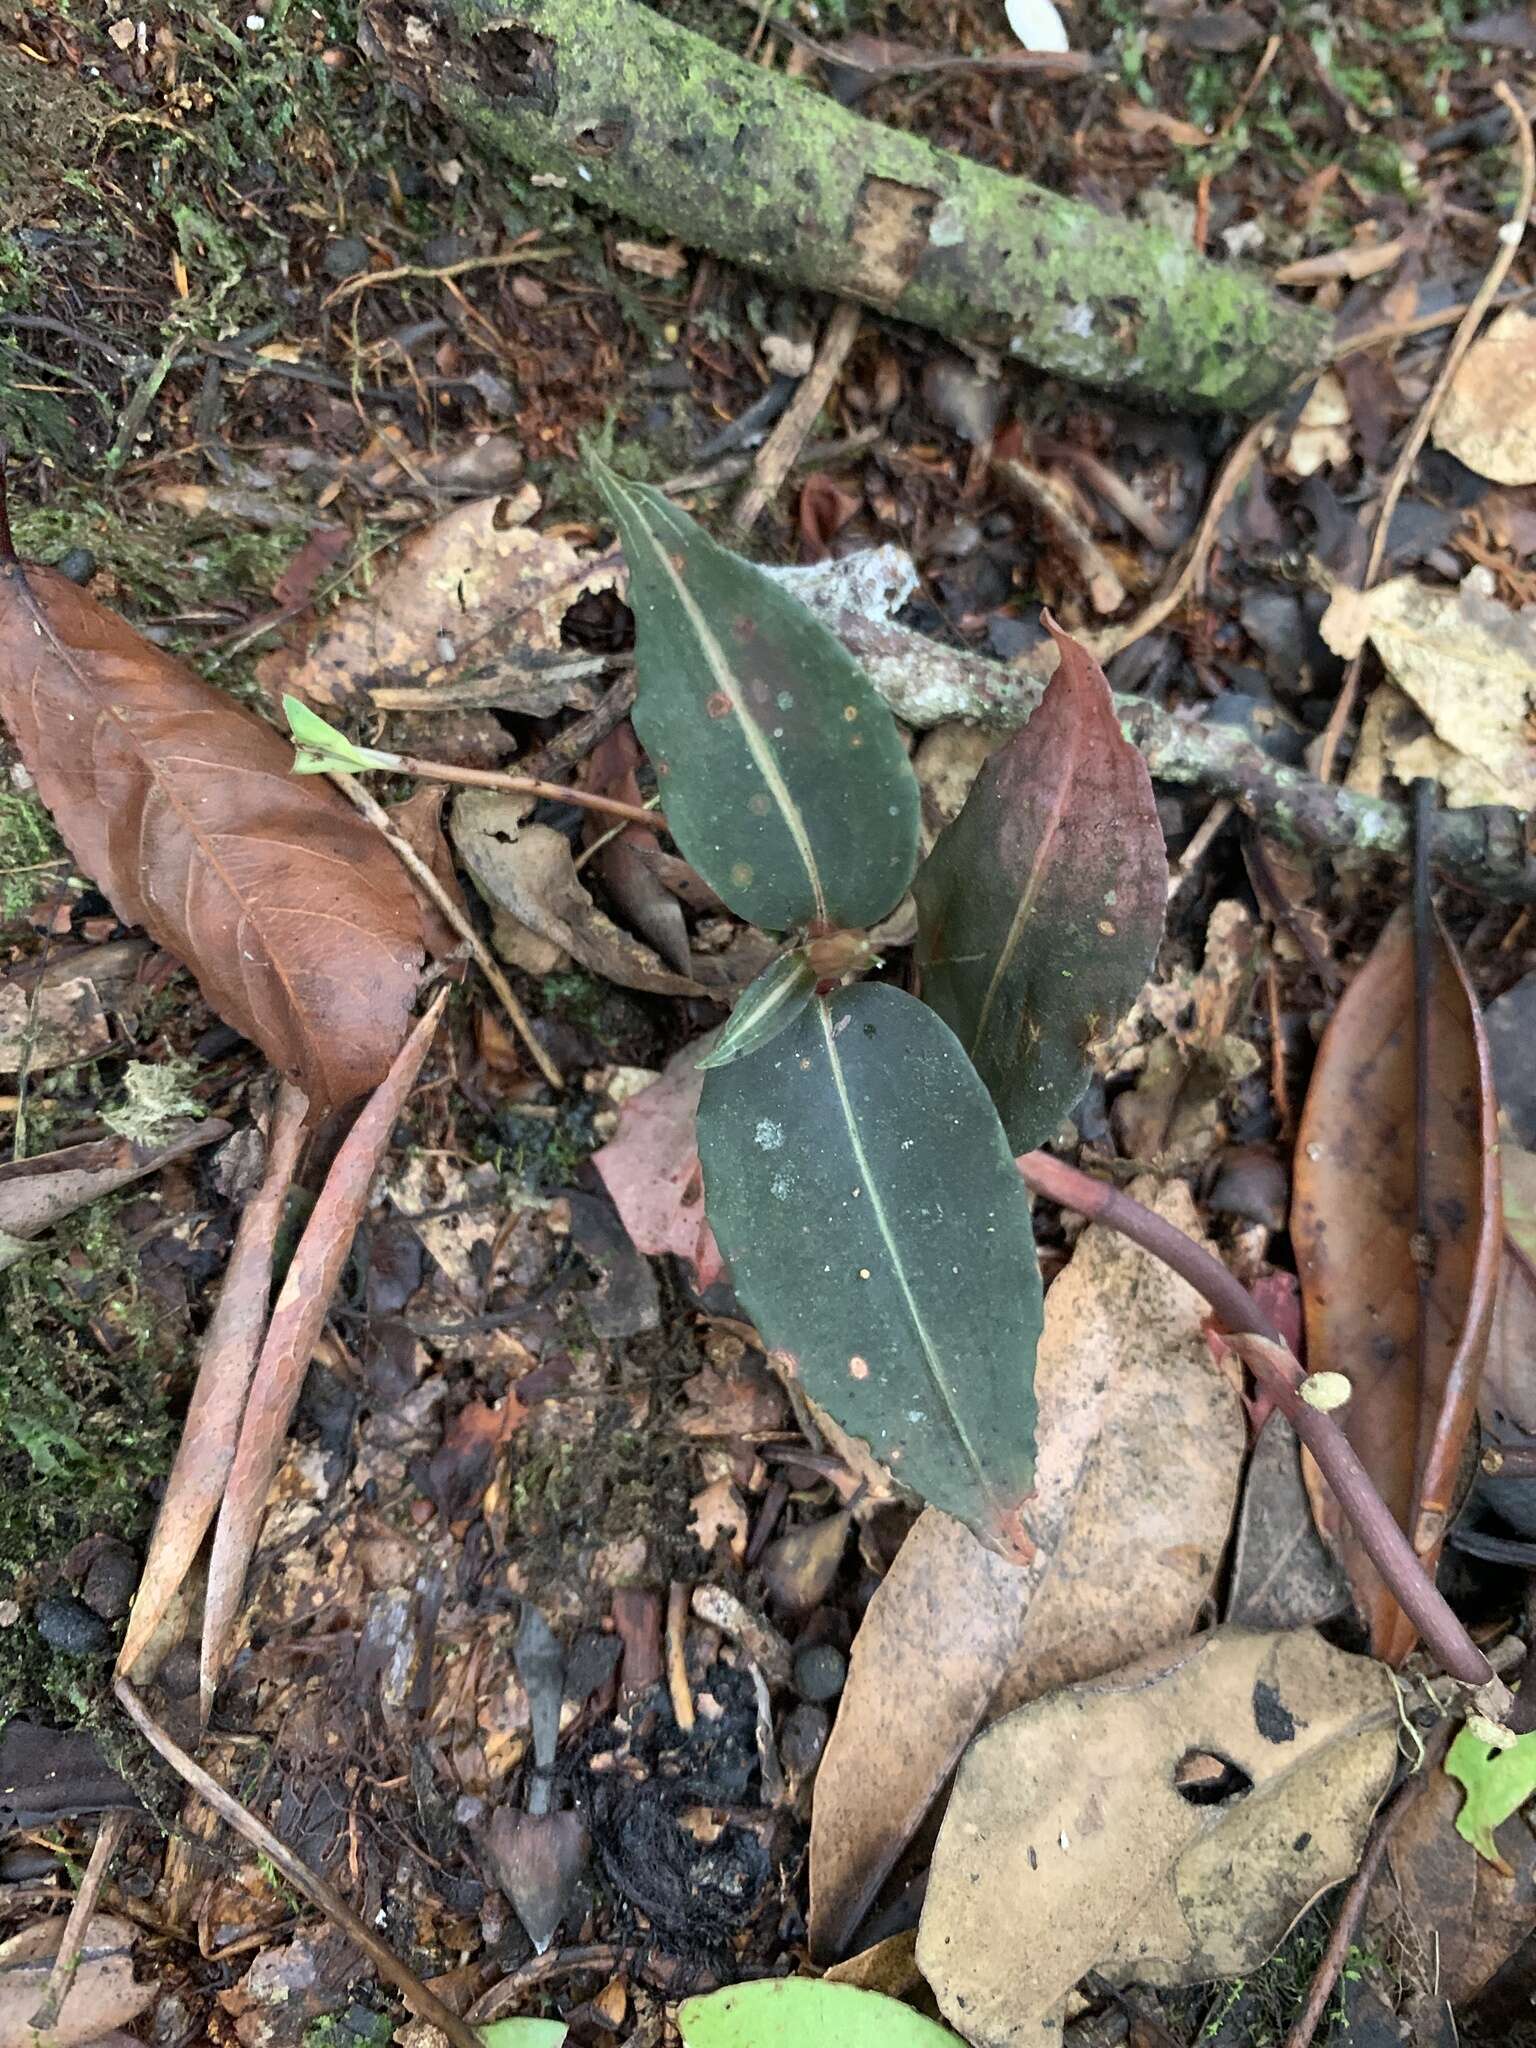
pixel 665 127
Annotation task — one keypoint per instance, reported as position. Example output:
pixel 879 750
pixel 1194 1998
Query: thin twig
pixel 1106 593
pixel 1509 239
pixel 777 455
pixel 417 868
pixel 576 740
pixel 517 254
pixel 1422 804
pixel 111 1831
pixel 324 1897
pixel 1256 1340
pixel 678 1596
pixel 528 785
pixel 486 692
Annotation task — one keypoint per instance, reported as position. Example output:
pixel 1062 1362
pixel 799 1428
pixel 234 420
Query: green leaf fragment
pixel 805 2012
pixel 858 1180
pixel 1041 905
pixel 770 1005
pixel 321 750
pixel 524 2034
pixel 783 776
pixel 1497 1783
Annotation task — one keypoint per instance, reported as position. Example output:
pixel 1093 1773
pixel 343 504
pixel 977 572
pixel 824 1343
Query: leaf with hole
pixel 782 773
pixel 1040 907
pixel 1496 1782
pixel 182 807
pixel 877 1232
pixel 769 1006
pixel 805 2012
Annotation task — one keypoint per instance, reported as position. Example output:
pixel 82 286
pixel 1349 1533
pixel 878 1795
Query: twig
pixel 1509 239
pixel 324 1897
pixel 1256 1340
pixel 1510 1461
pixel 420 873
pixel 518 253
pixel 678 1595
pixel 1353 1904
pixel 1106 593
pixel 483 693
pixel 577 740
pixel 729 467
pixel 111 1831
pixel 556 1962
pixel 1422 802
pixel 777 455
pixel 528 785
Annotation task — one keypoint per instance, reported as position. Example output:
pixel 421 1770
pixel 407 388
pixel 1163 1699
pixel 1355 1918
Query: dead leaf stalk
pixel 110 1833
pixel 678 1596
pixel 1260 1346
pixel 1509 239
pixel 431 887
pixel 425 2004
pixel 777 455
pixel 528 785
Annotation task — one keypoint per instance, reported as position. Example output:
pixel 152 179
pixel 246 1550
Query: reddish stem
pixel 530 785
pixel 1261 1347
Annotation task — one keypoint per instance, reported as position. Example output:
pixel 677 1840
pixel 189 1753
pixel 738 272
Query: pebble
pixel 178 1673
pixel 77 564
pixel 803 1738
pixel 820 1672
pixel 110 1582
pixel 347 256
pixel 68 1626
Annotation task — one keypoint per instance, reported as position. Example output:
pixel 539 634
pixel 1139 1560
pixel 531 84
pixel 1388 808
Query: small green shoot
pixel 319 749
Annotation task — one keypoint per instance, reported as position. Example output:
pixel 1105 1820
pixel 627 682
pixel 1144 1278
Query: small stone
pixel 347 256
pixel 110 1582
pixel 820 1672
pixel 68 1626
pixel 78 565
pixel 443 250
pixel 178 1673
pixel 803 1738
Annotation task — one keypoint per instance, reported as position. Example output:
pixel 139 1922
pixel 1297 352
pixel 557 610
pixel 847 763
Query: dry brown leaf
pixel 1469 664
pixel 651 1169
pixel 419 821
pixel 102 1996
pixel 664 264
pixel 37 1193
pixel 289 1344
pixel 1068 1845
pixel 1354 1229
pixel 718 1510
pixel 529 872
pixel 1356 260
pixel 181 806
pixel 1320 438
pixel 1282 1574
pixel 1141 1441
pixel 1488 417
pixel 476 589
pixel 1140 120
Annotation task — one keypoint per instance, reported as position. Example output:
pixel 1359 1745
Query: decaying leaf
pixel 652 1169
pixel 1283 1575
pixel 103 1995
pixel 1469 664
pixel 1354 1224
pixel 854 1171
pixel 777 2011
pixel 1040 907
pixel 1072 1842
pixel 286 1350
pixel 1141 1442
pixel 59 1024
pixel 294 915
pixel 37 1193
pixel 529 872
pixel 1320 438
pixel 1488 417
pixel 476 592
pixel 766 734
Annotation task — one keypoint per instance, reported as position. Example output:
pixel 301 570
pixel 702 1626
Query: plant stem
pixel 1260 1346
pixel 529 785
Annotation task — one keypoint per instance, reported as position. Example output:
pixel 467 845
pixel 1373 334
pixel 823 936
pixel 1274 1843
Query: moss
pixel 85 1433
pixel 32 856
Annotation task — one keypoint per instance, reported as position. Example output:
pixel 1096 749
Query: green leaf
pixel 805 2012
pixel 783 776
pixel 861 1188
pixel 769 1006
pixel 321 750
pixel 1040 907
pixel 1497 1783
pixel 524 2034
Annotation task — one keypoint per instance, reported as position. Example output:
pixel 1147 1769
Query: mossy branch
pixel 663 126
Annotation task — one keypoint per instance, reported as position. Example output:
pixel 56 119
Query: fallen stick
pixel 1482 848
pixel 644 117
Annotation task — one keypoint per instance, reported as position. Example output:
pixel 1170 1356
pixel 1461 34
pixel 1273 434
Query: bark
pixel 663 126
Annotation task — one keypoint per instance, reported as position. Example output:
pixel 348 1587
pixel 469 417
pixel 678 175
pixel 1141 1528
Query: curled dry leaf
pixel 1488 417
pixel 102 1997
pixel 1354 1225
pixel 289 1344
pixel 1141 1442
pixel 295 917
pixel 651 1169
pixel 1071 1842
pixel 476 591
pixel 1469 663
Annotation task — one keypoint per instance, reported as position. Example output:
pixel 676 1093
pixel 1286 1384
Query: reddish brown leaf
pixel 294 916
pixel 290 1341
pixel 826 506
pixel 652 1170
pixel 226 1360
pixel 419 821
pixel 1353 1225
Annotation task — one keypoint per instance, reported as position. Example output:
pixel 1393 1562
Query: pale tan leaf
pixel 102 1997
pixel 1488 418
pixel 1069 1846
pixel 1141 1442
pixel 1354 261
pixel 1320 438
pixel 1469 664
